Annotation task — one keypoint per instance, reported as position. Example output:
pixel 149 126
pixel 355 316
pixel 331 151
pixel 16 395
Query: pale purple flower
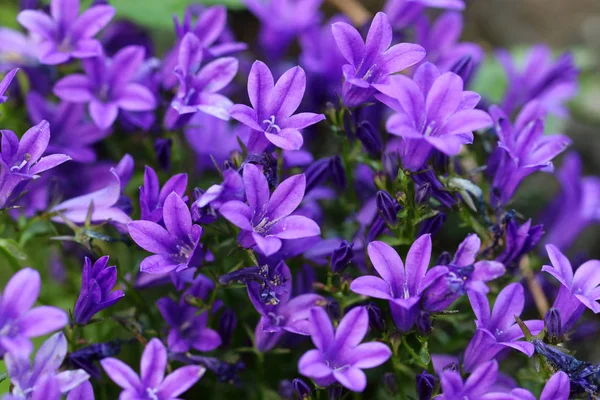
pixel 97 283
pixel 497 329
pixel 433 112
pixel 176 248
pixel 5 83
pixel 152 382
pixel 558 387
pixel 401 285
pixel 152 196
pixel 339 355
pixel 19 322
pixel 108 86
pixel 265 220
pixel 522 149
pixel 577 290
pixel 372 61
pixel 64 33
pixel 42 379
pixel 478 386
pixel 577 206
pixel 273 105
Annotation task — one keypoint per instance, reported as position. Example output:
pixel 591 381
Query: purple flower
pixel 519 241
pixel 188 328
pixel 285 315
pixel 64 34
pixel 71 133
pixel 558 387
pixel 497 329
pixel 21 160
pixel 152 383
pixel 432 112
pixel 176 248
pixel 42 379
pixel 273 104
pixel 550 82
pixel 371 62
pixel 152 196
pixel 577 206
pixel 265 220
pixel 5 83
pixel 522 149
pixel 577 290
pixel 339 355
pixel 464 275
pixel 104 204
pixel 232 188
pixel 477 386
pixel 19 321
pixel 402 286
pixel 108 86
pixel 199 87
pixel 403 13
pixel 97 281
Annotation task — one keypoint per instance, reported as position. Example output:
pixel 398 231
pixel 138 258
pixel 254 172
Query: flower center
pixel 275 319
pixel 335 366
pixel 151 392
pixel 271 126
pixel 18 167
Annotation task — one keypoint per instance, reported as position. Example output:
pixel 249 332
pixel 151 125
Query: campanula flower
pixel 371 62
pixel 339 355
pixel 558 387
pixel 265 220
pixel 42 379
pixel 108 86
pixel 478 386
pixel 271 117
pixel 65 34
pixel 232 188
pixel 97 281
pixel 152 196
pixel 176 248
pixel 152 382
pixel 518 241
pixel 401 285
pixel 433 112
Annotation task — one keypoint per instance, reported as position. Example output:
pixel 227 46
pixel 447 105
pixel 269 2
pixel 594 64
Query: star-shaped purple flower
pixel 152 196
pixel 64 33
pixel 265 220
pixel 339 355
pixel 273 105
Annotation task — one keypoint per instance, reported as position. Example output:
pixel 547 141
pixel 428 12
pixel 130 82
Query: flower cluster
pixel 279 226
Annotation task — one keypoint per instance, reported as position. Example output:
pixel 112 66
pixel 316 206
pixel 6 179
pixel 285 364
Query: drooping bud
pixel 390 383
pixel 337 172
pixel 162 147
pixel 316 173
pixel 376 229
pixel 423 193
pixel 388 207
pixel 369 137
pixel 302 389
pixel 425 384
pixel 424 323
pixel 340 258
pixel 376 320
pixel 464 68
pixel 227 325
pixel 433 224
pixel 552 321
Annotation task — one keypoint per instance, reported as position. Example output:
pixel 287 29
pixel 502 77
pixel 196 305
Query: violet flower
pixel 577 206
pixel 401 285
pixel 372 61
pixel 519 240
pixel 577 290
pixel 176 248
pixel 522 149
pixel 464 275
pixel 286 315
pixel 64 34
pixel 265 220
pixel 152 196
pixel 19 322
pixel 339 356
pixel 97 281
pixel 108 86
pixel 273 105
pixel 5 83
pixel 497 329
pixel 477 386
pixel 558 387
pixel 21 161
pixel 42 379
pixel 432 112
pixel 152 383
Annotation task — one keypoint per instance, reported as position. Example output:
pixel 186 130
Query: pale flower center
pixel 152 393
pixel 271 126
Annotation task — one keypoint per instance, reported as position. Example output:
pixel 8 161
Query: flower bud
pixel 302 389
pixel 162 147
pixel 227 325
pixel 425 384
pixel 433 224
pixel 340 258
pixel 424 323
pixel 333 309
pixel 286 390
pixel 390 384
pixel 376 229
pixel 316 173
pixel 337 172
pixel 553 325
pixel 376 320
pixel 369 137
pixel 267 164
pixel 395 340
pixel 388 207
pixel 464 68
pixel 444 259
pixel 423 193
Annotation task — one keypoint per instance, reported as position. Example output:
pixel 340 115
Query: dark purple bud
pixel 224 371
pixel 432 225
pixel 424 323
pixel 227 325
pixel 267 163
pixel 376 229
pixel 444 259
pixel 553 325
pixel 162 147
pixel 335 392
pixel 125 204
pixel 302 389
pixel 423 193
pixel 340 258
pixel 29 4
pixel 388 207
pixel 286 390
pixel 316 173
pixel 390 383
pixel 369 137
pixel 440 161
pixel 303 283
pixel 333 309
pixel 464 68
pixel 376 320
pixel 425 384
pixel 337 172
pixel 85 357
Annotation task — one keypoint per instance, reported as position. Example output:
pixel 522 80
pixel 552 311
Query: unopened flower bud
pixel 444 259
pixel 423 193
pixel 369 137
pixel 376 320
pixel 388 207
pixel 433 224
pixel 286 390
pixel 390 384
pixel 340 258
pixel 227 325
pixel 464 68
pixel 337 172
pixel 302 389
pixel 425 384
pixel 424 323
pixel 376 229
pixel 333 309
pixel 162 147
pixel 316 173
pixel 553 325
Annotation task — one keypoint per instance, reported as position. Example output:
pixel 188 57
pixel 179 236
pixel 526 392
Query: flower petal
pixel 268 245
pixel 76 88
pixel 372 286
pixel 510 302
pixel 286 197
pixel 136 97
pixel 42 320
pixel 349 42
pixel 177 217
pixel 444 97
pixel 370 355
pixel 558 387
pixel 321 329
pixel 417 262
pixel 238 214
pixel 352 328
pixel 257 188
pixel 92 20
pixel 260 87
pixel 561 267
pixel 152 237
pixel 180 381
pixel 21 291
pixel 389 266
pixel 351 378
pixel 121 373
pixel 153 363
pixel 313 365
pixel 217 74
pixel 245 115
pixel 286 139
pixel 103 114
pixel 295 227
pixel 288 93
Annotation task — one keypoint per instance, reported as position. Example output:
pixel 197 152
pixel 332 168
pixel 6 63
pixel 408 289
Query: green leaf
pixel 13 252
pixel 424 355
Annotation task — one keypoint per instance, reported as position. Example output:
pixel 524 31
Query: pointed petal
pixel 389 266
pixel 21 291
pixel 103 114
pixel 50 355
pixel 92 20
pixel 352 328
pixel 379 37
pixel 510 302
pixel 153 363
pixel 180 381
pixel 587 277
pixel 467 121
pixel 121 374
pixel 286 197
pixel 303 120
pixel 257 188
pixel 481 379
pixel 38 22
pixel 417 262
pixel 69 380
pixel 444 97
pixel 246 116
pixel 238 214
pixel 260 87
pixel 370 355
pixel 561 267
pixel 217 74
pixel 558 387
pixel 286 139
pixel 371 286
pixel 177 217
pixel 136 97
pixel 82 392
pixel 351 378
pixel 401 56
pixel 349 42
pixel 158 264
pixel 288 93
pixel 295 227
pixel 321 329
pixel 268 245
pixel 313 365
pixel 76 88
pixel 152 237
pixel 42 320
